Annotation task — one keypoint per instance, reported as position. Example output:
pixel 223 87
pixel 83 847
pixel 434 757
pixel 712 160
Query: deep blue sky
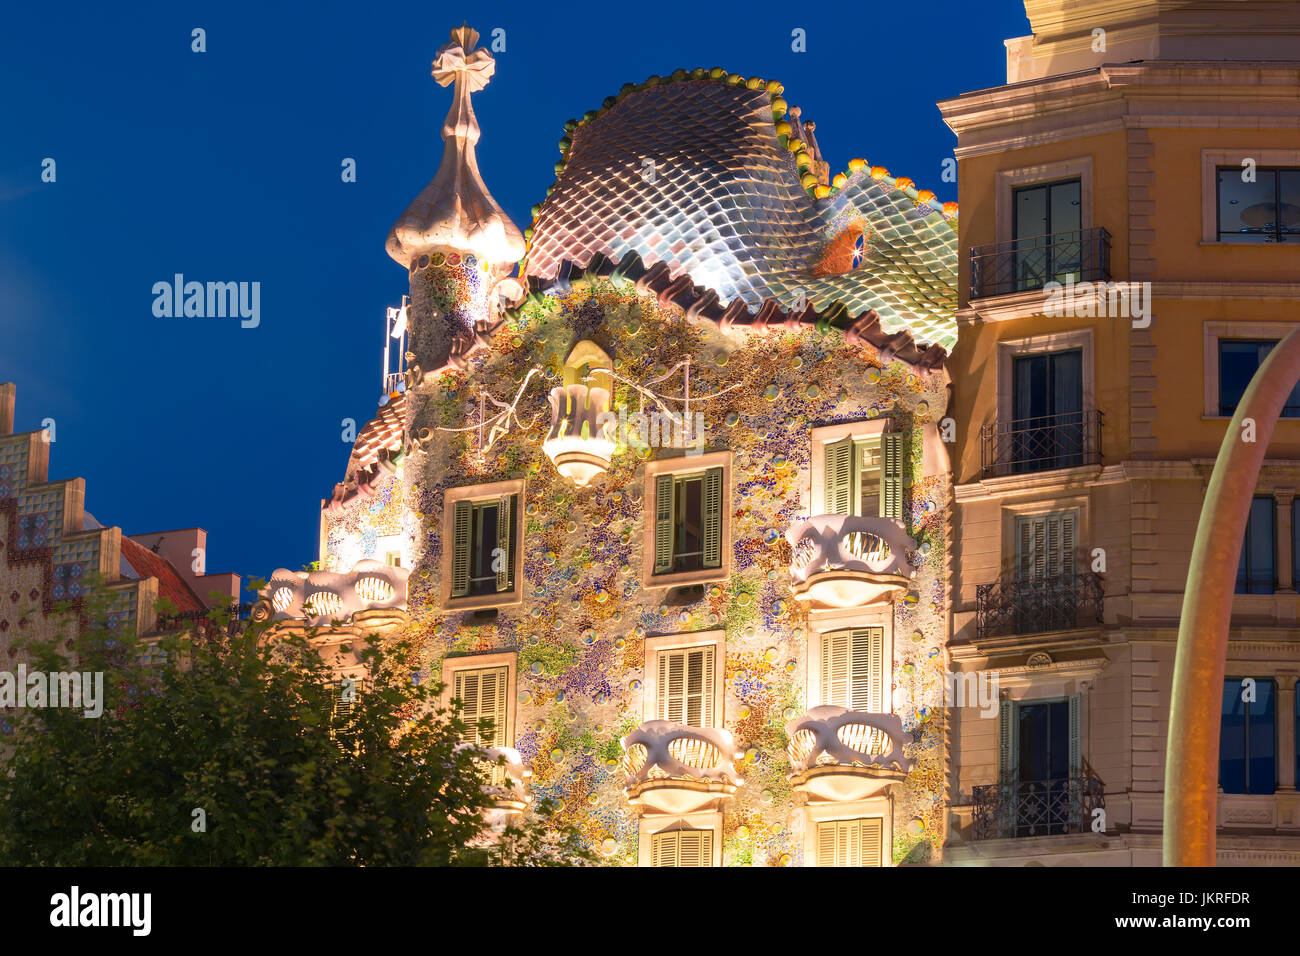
pixel 225 166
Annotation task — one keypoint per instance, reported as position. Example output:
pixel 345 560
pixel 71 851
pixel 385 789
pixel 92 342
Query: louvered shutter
pixel 839 478
pixel 686 686
pixel 891 474
pixel 663 524
pixel 712 518
pixel 1076 754
pixel 482 695
pixel 836 668
pixel 505 572
pixel 826 844
pixel 866 691
pixel 871 840
pixel 1007 741
pixel 682 848
pixel 850 842
pixel 460 556
pixel 662 845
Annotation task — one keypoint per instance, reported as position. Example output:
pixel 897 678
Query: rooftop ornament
pixel 455 212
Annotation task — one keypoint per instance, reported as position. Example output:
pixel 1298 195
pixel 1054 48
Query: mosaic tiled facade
pixel 800 314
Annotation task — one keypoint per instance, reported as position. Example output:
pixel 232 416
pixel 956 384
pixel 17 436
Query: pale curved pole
pixel 1192 754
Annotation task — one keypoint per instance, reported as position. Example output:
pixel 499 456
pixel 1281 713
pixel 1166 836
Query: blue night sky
pixel 225 166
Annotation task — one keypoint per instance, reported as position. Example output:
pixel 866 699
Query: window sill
pixel 682 578
pixel 478 601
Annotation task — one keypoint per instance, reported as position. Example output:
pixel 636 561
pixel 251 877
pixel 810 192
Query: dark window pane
pixel 1260 739
pixel 688 555
pixel 1044 731
pixel 1255 569
pixel 1239 359
pixel 1288 188
pixel 1232 739
pixel 1247 738
pixel 1030 212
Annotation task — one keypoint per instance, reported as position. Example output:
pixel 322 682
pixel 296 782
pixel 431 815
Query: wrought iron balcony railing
pixel 1022 265
pixel 1035 808
pixel 1060 603
pixel 1065 440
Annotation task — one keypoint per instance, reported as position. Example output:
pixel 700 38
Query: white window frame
pixel 1007 181
pixel 829 812
pixel 1009 349
pixel 1211 160
pixel 474 662
pixel 473 493
pixel 858 432
pixel 660 643
pixel 846 620
pixel 685 465
pixel 710 820
pixel 1214 333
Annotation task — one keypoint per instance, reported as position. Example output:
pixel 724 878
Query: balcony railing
pixel 847 560
pixel 1035 808
pixel 1024 445
pixel 1022 265
pixel 1060 603
pixel 674 768
pixel 840 754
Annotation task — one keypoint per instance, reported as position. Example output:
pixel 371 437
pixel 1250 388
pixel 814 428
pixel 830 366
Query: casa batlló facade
pixel 669 504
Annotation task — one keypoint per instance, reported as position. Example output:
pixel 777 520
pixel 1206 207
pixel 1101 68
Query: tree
pixel 233 750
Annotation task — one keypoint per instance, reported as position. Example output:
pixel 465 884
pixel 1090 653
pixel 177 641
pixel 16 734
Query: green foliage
pixel 243 725
pixel 554 658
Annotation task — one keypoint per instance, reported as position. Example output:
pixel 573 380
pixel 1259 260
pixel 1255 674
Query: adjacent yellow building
pixel 1130 250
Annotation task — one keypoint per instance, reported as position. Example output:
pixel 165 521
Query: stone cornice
pixel 1175 93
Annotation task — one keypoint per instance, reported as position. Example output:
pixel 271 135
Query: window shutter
pixel 682 848
pixel 836 664
pixel 713 518
pixel 850 842
pixel 1069 543
pixel 672 686
pixel 868 670
pixel 505 513
pixel 460 549
pixel 871 841
pixel 686 686
pixel 663 523
pixel 891 474
pixel 826 844
pixel 1076 754
pixel 838 460
pixel 1025 548
pixel 482 694
pixel 1007 743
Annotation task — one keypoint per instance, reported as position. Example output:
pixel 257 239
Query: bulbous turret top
pixel 455 212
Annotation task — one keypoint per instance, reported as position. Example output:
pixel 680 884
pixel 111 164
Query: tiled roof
pixel 379 442
pixel 171 585
pixel 695 175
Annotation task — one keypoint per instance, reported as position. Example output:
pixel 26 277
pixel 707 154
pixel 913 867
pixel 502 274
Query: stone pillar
pixel 1285 572
pixel 1284 714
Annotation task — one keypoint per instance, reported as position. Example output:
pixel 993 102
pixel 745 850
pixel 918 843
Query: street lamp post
pixel 1192 754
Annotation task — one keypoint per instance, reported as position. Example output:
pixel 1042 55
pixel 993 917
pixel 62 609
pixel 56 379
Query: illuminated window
pixel 1258 204
pixel 482 530
pixel 683 847
pixel 853 669
pixel 850 842
pixel 865 476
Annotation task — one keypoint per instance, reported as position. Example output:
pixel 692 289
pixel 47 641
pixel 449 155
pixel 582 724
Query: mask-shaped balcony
pixel 849 561
pixel 838 754
pixel 672 768
pixel 582 437
pixel 324 596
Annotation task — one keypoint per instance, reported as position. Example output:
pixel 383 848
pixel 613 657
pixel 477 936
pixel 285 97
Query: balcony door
pixel 1046 575
pixel 1047 237
pixel 1047 427
pixel 1041 757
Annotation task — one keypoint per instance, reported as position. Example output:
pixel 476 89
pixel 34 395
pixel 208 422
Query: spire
pixel 455 212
